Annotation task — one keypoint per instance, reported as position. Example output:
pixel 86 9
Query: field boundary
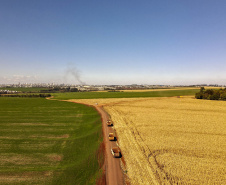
pixel 112 167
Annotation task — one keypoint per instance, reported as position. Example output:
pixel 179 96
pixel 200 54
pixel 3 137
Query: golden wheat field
pixel 170 140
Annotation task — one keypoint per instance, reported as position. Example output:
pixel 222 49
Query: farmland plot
pixel 171 140
pixel 48 142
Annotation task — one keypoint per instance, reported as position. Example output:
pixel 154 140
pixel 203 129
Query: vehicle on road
pixel 111 136
pixel 109 123
pixel 116 152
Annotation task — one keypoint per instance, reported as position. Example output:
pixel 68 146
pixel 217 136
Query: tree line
pixel 59 89
pixel 26 95
pixel 211 94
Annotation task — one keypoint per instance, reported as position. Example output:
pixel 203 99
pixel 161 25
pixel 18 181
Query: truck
pixel 109 123
pixel 116 152
pixel 111 136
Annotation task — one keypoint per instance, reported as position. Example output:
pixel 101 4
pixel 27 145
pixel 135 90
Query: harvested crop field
pixel 170 140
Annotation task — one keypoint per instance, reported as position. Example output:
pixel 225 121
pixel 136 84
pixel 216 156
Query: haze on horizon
pixel 113 42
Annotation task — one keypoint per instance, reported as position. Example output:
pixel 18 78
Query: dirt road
pixel 114 175
pixel 113 170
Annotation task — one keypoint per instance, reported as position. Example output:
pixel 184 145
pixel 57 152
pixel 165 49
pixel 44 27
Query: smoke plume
pixel 75 73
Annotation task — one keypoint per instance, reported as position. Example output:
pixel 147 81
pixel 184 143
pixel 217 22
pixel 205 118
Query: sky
pixel 113 42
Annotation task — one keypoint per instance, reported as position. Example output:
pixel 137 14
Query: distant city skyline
pixel 113 42
pixel 7 87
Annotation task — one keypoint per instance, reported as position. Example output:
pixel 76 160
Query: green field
pixel 94 95
pixel 48 142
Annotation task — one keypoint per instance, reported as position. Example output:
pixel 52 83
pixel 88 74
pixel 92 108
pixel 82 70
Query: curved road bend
pixel 114 175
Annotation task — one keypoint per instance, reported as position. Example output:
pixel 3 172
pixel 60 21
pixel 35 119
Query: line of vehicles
pixel 116 152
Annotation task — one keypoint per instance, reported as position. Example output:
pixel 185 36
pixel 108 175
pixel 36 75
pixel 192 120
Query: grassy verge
pixel 48 142
pixel 95 95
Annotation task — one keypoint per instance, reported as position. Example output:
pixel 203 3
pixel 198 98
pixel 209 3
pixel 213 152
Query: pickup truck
pixel 116 152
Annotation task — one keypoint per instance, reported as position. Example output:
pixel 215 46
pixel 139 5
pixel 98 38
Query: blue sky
pixel 113 42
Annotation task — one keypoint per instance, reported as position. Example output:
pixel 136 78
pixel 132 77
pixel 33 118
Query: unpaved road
pixel 114 175
pixel 113 170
